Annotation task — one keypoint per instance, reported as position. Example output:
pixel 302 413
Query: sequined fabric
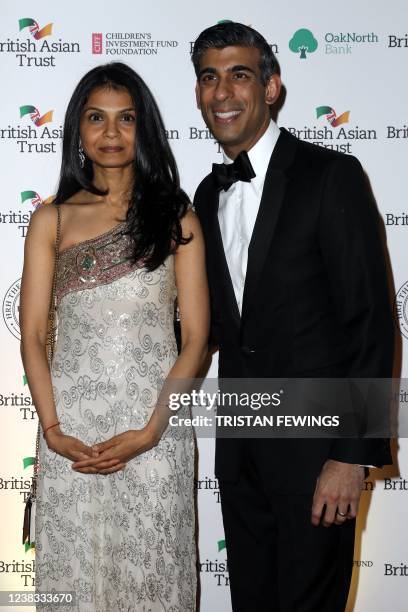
pixel 94 262
pixel 123 541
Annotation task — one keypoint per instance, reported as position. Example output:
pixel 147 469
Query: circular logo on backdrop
pixel 401 308
pixel 11 305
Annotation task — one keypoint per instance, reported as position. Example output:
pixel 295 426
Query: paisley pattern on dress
pixel 122 542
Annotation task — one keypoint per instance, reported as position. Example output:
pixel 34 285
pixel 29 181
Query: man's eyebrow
pixel 237 68
pixel 207 70
pixel 240 68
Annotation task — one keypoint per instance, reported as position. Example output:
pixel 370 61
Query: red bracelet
pixel 49 427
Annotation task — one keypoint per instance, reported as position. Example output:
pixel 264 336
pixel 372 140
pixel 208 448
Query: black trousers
pixel 278 561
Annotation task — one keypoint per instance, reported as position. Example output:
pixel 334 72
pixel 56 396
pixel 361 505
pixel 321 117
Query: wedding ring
pixel 343 514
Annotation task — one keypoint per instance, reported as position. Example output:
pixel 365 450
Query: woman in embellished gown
pixel 115 505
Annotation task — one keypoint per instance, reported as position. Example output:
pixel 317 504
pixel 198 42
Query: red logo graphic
pixel 96 43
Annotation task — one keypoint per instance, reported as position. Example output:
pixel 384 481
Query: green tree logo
pixel 303 41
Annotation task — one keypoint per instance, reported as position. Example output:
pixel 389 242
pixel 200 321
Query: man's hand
pixel 338 488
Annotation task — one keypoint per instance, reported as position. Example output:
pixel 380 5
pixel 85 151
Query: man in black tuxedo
pixel 298 288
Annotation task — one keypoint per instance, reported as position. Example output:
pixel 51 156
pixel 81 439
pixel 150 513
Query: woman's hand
pixel 113 454
pixel 73 449
pixel 67 446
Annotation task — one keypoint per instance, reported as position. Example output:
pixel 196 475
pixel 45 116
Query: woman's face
pixel 108 127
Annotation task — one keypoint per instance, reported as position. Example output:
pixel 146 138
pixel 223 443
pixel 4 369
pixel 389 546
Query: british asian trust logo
pixel 336 135
pixel 39 48
pixel 34 28
pixel 28 201
pixel 35 134
pixel 217 567
pixel 31 196
pixel 331 115
pixel 398 41
pixel 35 115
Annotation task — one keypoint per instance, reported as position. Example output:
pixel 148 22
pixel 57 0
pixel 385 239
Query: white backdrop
pixel 358 66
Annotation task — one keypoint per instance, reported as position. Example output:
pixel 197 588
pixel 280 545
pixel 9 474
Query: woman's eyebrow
pixel 101 110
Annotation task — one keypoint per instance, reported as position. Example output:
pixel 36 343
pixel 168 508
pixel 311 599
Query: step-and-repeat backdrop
pixel 344 71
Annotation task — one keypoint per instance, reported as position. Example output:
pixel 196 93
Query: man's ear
pixel 197 93
pixel 272 89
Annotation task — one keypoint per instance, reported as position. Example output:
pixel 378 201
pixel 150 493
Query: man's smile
pixel 226 116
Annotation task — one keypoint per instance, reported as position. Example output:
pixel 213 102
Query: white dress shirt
pixel 238 209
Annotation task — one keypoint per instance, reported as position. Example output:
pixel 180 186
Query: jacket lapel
pixel 271 201
pixel 220 271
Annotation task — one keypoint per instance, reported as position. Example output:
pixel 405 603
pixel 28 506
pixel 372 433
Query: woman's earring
pixel 81 155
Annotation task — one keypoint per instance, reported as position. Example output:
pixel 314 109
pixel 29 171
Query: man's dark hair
pixel 233 34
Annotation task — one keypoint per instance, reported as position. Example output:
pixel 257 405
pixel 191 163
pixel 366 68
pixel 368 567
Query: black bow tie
pixel 226 174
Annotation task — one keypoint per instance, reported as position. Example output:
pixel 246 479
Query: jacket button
pixel 247 350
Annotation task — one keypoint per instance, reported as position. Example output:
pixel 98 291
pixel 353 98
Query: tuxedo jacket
pixel 315 303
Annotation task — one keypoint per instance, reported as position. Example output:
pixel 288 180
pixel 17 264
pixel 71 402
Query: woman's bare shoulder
pixel 43 226
pixel 44 216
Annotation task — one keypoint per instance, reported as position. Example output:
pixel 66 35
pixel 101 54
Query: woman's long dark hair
pixel 157 203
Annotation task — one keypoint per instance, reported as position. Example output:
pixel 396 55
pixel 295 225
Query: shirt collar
pixel 261 152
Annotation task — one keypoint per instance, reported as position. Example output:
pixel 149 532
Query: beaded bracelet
pixel 49 427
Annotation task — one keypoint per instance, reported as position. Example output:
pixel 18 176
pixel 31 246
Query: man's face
pixel 232 99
